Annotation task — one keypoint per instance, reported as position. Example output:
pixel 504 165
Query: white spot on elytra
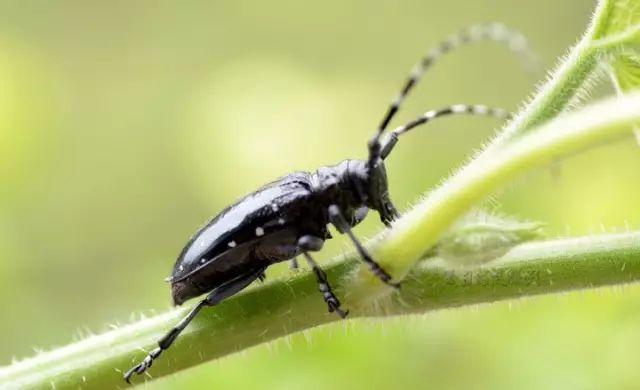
pixel 281 221
pixel 274 207
pixel 181 267
pixel 232 244
pixel 202 261
pixel 259 231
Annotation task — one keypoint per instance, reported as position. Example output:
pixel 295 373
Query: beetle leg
pixel 312 243
pixel 164 343
pixel 336 218
pixel 323 285
pixel 293 263
pixel 226 290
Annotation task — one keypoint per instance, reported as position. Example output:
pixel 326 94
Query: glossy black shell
pixel 252 233
pixel 264 227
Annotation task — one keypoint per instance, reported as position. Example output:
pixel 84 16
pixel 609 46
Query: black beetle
pixel 289 216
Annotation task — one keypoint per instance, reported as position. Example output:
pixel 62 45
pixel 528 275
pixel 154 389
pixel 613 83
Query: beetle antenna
pixel 515 40
pixel 471 109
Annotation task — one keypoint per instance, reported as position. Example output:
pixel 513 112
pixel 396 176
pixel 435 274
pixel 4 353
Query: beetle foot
pixel 334 304
pixel 336 308
pixel 142 366
pixel 383 275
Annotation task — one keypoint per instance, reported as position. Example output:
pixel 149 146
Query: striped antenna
pixel 490 31
pixel 456 109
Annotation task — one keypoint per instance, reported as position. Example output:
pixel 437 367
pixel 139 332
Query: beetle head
pixel 378 191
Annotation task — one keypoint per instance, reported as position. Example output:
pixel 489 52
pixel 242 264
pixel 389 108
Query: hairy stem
pixel 282 307
pixel 560 88
pixel 531 139
pixel 419 229
pixel 286 306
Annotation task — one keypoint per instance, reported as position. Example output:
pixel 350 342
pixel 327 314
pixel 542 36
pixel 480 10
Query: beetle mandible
pixel 289 216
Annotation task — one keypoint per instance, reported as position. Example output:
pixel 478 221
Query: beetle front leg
pixel 338 220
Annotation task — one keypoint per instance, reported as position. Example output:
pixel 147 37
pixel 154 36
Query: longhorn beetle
pixel 289 216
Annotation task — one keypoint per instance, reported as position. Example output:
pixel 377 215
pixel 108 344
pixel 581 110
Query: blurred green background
pixel 124 125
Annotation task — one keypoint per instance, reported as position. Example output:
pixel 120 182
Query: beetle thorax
pixel 348 185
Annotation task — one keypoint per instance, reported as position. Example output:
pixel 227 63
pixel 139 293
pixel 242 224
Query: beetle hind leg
pixel 224 291
pixel 164 343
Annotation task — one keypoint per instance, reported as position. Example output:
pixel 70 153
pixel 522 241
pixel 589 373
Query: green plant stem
pixel 517 147
pixel 283 307
pixel 279 308
pixel 560 88
pixel 419 229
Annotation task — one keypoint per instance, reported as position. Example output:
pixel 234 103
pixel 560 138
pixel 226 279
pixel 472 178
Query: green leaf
pixel 626 71
pixel 625 75
pixel 480 237
pixel 618 32
pixel 618 17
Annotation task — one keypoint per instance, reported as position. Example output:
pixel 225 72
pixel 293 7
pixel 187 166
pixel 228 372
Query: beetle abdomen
pixel 259 228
